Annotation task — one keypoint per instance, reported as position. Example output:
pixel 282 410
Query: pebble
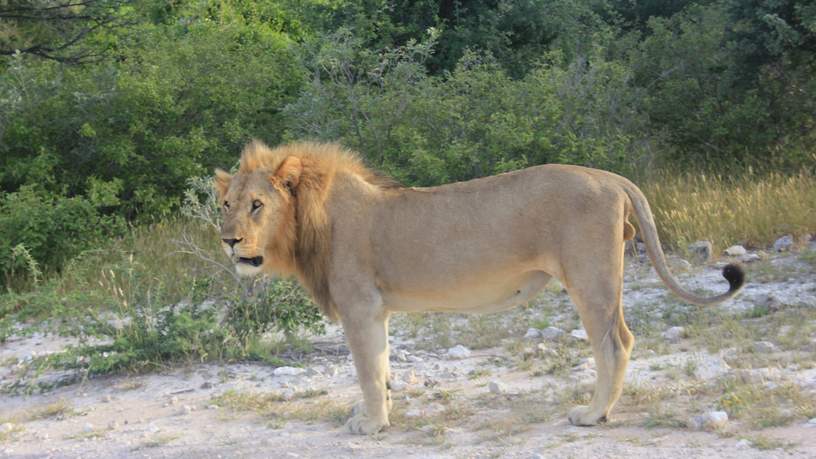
pixel 107 398
pixel 397 385
pixel 743 444
pixel 88 428
pixel 212 407
pixel 713 420
pixel 402 355
pixel 532 333
pixel 750 258
pixel 674 334
pixel 812 422
pixel 551 333
pixel 783 244
pixel 458 352
pixel 6 427
pixel 496 387
pixel 288 371
pixel 206 385
pixel 579 333
pixel 736 251
pixel 702 250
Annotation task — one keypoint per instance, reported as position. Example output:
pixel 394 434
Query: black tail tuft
pixel 735 276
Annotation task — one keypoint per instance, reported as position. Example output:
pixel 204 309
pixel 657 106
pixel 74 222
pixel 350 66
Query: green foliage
pixel 476 121
pixel 42 230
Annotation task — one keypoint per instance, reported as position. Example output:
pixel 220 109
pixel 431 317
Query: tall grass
pixel 749 209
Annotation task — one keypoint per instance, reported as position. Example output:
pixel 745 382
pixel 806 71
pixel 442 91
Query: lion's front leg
pixel 368 339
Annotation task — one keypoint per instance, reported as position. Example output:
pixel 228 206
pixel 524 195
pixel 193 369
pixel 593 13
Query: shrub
pixel 38 229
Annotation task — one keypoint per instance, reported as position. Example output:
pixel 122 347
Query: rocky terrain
pixel 737 380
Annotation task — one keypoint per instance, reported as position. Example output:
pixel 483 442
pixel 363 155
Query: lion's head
pixel 257 205
pixel 274 210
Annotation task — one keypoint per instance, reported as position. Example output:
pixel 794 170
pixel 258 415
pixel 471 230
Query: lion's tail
pixel 733 273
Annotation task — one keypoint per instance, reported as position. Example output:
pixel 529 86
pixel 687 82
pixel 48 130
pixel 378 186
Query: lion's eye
pixel 226 205
pixel 256 205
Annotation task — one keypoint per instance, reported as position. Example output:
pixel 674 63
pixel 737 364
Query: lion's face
pixel 257 210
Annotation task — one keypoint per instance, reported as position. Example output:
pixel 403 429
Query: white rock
pixel 496 387
pixel 713 420
pixel 743 444
pixel 288 371
pixel 397 385
pixel 812 422
pixel 6 427
pixel 402 355
pixel 765 347
pixel 579 333
pixel 736 251
pixel 532 333
pixel 88 428
pixel 551 333
pixel 458 352
pixel 783 244
pixel 674 334
pixel 750 258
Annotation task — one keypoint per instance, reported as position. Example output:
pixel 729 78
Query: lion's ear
pixel 289 172
pixel 221 182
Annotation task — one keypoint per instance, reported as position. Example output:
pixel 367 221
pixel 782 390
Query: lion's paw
pixel 361 424
pixel 583 416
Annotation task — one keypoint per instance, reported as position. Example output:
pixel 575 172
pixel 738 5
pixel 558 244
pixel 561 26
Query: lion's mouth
pixel 254 261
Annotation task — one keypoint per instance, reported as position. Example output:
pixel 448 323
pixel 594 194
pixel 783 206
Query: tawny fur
pixel 365 248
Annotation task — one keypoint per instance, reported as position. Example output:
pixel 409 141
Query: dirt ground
pixel 508 398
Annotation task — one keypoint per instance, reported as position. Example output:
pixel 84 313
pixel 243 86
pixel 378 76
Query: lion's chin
pixel 247 270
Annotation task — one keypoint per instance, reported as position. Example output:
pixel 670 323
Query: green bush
pixel 473 122
pixel 40 229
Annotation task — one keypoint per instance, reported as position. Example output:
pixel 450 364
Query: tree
pixel 58 30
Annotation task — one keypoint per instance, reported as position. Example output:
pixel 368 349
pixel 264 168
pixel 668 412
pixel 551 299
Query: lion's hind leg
pixel 598 298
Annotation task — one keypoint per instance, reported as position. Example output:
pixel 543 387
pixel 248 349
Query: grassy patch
pixel 751 209
pixel 764 405
pixel 764 443
pixel 308 406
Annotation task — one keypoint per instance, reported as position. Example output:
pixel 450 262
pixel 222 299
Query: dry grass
pixel 54 410
pixel 307 406
pixel 763 405
pixel 751 209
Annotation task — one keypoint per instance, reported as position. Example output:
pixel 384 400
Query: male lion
pixel 364 248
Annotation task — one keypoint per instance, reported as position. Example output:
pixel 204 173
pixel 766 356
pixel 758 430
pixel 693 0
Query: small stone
pixel 288 371
pixel 536 456
pixel 188 409
pixel 701 250
pixel 88 428
pixel 743 444
pixel 750 258
pixel 6 427
pixel 532 333
pixel 212 407
pixel 736 251
pixel 173 400
pixel 812 422
pixel 496 387
pixel 552 333
pixel 713 420
pixel 402 355
pixel 107 398
pixel 783 244
pixel 458 352
pixel 674 334
pixel 765 347
pixel 206 385
pixel 579 333
pixel 397 385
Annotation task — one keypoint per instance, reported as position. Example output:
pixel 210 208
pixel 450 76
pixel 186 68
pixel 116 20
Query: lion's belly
pixel 477 295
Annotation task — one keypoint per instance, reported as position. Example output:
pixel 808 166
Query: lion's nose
pixel 232 242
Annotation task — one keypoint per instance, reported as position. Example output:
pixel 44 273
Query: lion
pixel 365 247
